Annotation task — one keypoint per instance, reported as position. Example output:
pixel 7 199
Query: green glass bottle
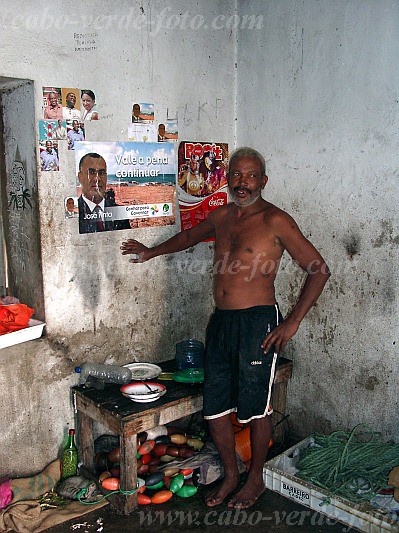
pixel 69 458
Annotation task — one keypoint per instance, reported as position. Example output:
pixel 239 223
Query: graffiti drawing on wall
pixel 19 195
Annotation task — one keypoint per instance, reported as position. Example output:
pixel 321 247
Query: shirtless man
pixel 245 334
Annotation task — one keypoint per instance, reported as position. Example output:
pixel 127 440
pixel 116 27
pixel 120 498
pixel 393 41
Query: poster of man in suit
pixel 124 185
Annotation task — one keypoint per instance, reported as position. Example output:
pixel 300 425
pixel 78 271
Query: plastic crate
pixel 277 477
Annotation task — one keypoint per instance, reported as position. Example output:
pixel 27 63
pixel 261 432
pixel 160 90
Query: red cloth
pixel 14 317
pixel 5 492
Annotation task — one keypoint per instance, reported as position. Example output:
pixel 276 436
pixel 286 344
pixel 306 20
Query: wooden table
pixel 126 419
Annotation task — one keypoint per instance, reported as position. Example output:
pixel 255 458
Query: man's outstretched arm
pixel 181 241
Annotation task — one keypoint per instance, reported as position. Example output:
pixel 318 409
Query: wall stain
pixel 386 235
pixel 352 245
pixel 371 383
pixel 366 380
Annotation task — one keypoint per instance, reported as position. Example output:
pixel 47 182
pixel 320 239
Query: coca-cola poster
pixel 202 180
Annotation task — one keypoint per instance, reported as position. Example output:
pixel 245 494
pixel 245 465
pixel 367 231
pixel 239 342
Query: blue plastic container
pixel 190 354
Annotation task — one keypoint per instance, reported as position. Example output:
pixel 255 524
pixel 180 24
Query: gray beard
pixel 246 203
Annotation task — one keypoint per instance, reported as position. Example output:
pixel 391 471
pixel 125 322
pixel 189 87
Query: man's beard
pixel 251 199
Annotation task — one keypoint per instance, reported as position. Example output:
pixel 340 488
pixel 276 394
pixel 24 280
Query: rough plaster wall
pixel 317 94
pixel 20 206
pixel 35 404
pixel 99 307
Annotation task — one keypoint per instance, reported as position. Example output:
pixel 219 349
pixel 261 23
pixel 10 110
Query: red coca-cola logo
pixel 216 202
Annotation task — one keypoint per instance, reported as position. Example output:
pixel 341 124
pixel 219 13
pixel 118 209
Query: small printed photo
pixel 167 132
pixel 60 131
pixel 142 132
pixel 71 207
pixel 52 106
pixel 88 105
pixel 49 155
pixel 143 113
pixel 75 132
pixel 46 129
pixel 70 103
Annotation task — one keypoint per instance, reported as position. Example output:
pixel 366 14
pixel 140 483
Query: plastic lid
pixel 189 375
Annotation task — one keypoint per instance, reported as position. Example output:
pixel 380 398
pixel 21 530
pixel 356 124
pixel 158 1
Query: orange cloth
pixel 14 317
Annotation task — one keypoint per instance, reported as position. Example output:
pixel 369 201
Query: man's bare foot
pixel 247 495
pixel 217 495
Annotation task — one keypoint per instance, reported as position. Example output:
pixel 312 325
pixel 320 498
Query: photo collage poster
pixel 65 110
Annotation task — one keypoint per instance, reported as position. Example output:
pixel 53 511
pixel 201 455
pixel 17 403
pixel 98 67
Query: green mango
pixel 176 483
pixel 186 491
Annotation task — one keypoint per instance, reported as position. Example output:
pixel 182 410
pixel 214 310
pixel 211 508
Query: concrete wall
pixel 98 307
pixel 19 194
pixel 318 95
pixel 315 91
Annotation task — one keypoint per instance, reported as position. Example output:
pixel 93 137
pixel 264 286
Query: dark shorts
pixel 238 375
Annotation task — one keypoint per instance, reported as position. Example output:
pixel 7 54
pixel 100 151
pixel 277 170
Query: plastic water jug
pixel 189 354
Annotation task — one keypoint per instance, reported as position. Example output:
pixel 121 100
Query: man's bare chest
pixel 246 240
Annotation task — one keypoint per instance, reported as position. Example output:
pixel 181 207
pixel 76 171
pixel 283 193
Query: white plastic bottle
pixel 105 373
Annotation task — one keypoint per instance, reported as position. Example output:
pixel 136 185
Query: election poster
pixel 202 180
pixel 123 185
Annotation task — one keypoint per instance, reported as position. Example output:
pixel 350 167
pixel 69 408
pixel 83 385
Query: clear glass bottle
pixel 69 457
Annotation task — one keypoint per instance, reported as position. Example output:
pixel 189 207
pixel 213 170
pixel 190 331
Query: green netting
pixel 352 465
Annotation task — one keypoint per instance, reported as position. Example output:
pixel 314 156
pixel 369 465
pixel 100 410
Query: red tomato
pixel 162 496
pixel 146 447
pixel 143 499
pixel 186 471
pixel 143 469
pixel 159 450
pixel 173 451
pixel 111 483
pixel 115 455
pixel 146 458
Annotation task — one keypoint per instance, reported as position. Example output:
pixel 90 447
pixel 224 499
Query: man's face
pixel 53 99
pixel 49 146
pixel 194 163
pixel 246 181
pixel 93 178
pixel 136 110
pixel 70 204
pixel 59 123
pixel 75 125
pixel 70 100
pixel 161 130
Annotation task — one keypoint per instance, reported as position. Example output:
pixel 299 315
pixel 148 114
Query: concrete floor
pixel 271 512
